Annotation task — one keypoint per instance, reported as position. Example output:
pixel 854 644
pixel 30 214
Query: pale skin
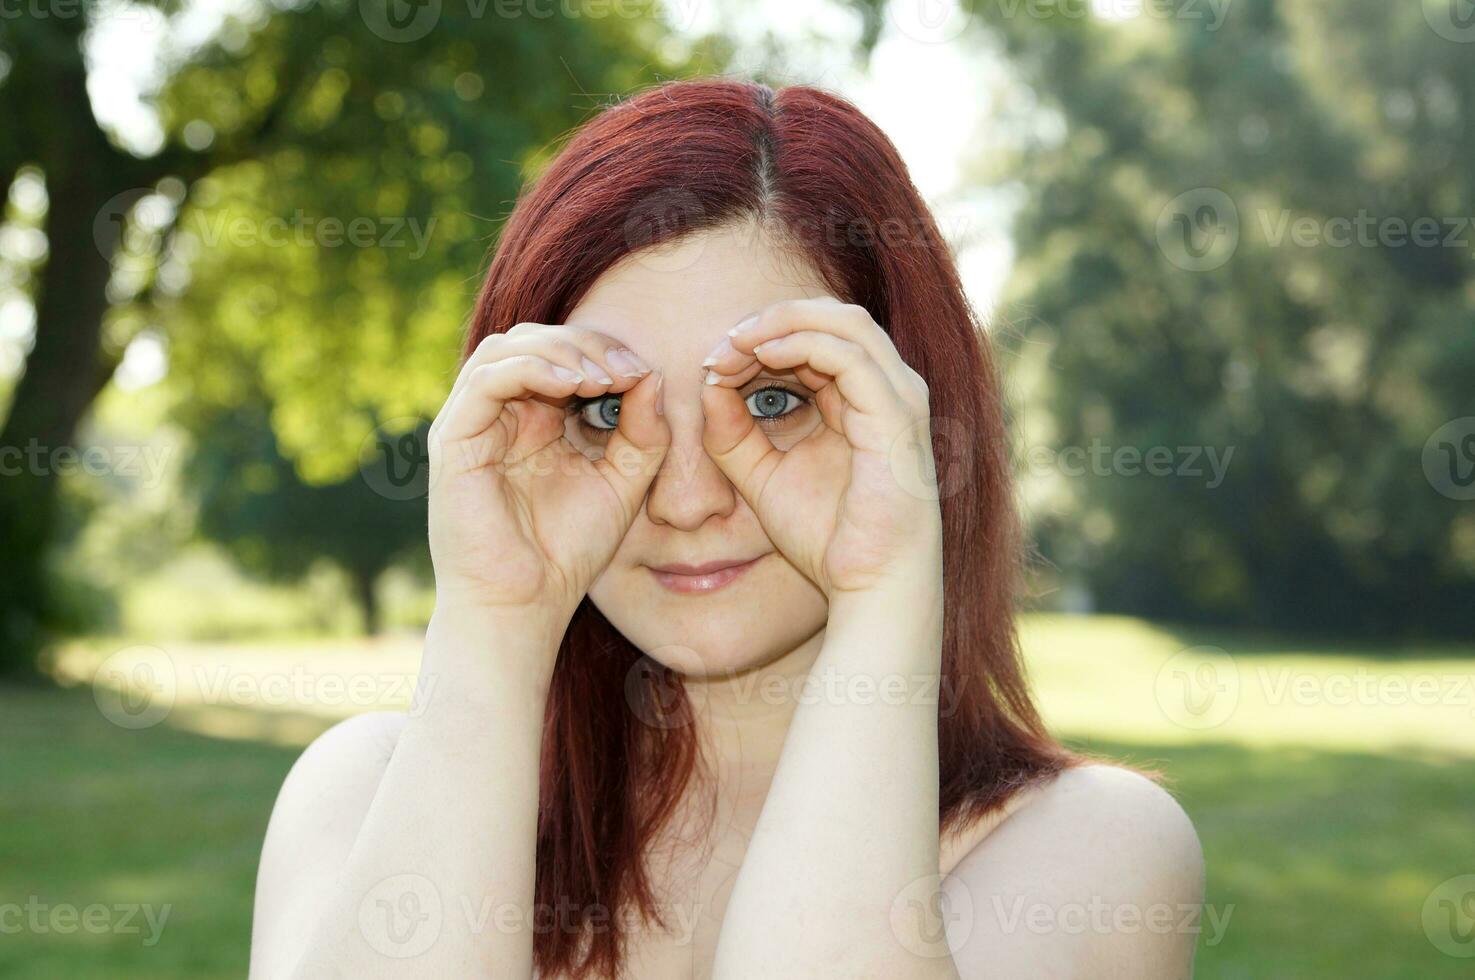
pixel 825 841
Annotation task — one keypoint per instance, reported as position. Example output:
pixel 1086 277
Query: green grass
pixel 1322 860
pixel 1325 826
pixel 92 813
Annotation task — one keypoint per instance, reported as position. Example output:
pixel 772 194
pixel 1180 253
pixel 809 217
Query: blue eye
pixel 772 403
pixel 767 405
pixel 601 413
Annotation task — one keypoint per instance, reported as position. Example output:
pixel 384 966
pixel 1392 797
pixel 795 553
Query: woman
pixel 722 678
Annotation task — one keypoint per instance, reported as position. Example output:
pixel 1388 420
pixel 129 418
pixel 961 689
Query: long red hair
pixel 676 159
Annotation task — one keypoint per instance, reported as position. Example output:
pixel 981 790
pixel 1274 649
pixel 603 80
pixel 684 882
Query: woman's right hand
pixel 520 519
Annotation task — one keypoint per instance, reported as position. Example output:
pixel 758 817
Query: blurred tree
pixel 1219 253
pixel 276 525
pixel 330 178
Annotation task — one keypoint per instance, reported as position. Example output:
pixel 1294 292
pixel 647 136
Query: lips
pixel 706 577
pixel 705 568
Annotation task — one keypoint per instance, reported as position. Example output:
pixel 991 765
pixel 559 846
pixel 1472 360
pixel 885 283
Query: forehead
pixel 676 301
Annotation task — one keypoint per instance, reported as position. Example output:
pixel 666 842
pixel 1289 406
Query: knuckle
pixel 573 335
pixel 483 374
pixel 435 447
pixel 787 312
pixel 774 316
pixel 917 382
pixel 600 337
pixel 857 317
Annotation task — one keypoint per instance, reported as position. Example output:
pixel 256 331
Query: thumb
pixel 636 449
pixel 735 442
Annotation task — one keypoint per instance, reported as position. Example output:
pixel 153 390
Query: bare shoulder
pixel 335 777
pixel 1107 802
pixel 317 816
pixel 1098 873
pixel 361 740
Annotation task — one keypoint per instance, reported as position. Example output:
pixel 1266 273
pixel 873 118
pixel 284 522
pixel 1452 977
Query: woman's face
pixel 672 306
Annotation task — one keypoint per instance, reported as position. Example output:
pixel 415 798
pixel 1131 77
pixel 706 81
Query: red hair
pixel 693 155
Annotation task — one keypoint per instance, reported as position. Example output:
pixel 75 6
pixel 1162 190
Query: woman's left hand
pixel 853 504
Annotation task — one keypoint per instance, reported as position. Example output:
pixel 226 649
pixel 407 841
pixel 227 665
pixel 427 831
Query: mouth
pixel 706 577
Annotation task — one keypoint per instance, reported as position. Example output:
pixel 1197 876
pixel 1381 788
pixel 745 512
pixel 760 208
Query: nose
pixel 689 489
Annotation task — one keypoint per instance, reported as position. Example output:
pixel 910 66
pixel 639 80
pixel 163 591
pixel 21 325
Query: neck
pixel 742 719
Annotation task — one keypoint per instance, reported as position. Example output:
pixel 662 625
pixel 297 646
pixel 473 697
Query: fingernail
pixel 660 393
pixel 712 378
pixel 626 362
pixel 744 325
pixel 719 352
pixel 595 370
pixel 564 374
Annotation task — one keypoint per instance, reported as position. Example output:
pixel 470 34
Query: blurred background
pixel 1226 249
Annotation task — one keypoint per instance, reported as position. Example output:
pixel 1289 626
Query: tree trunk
pixel 66 368
pixel 368 600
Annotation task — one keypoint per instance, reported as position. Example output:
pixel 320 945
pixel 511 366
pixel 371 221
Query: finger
pixel 600 358
pixel 803 373
pixel 824 314
pixel 733 440
pixel 856 374
pixel 605 359
pixel 636 448
pixel 489 387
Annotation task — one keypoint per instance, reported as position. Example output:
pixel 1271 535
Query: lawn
pixel 1333 788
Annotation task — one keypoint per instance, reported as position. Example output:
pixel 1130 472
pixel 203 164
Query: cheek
pixel 795 427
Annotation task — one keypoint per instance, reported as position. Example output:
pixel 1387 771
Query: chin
pixel 745 625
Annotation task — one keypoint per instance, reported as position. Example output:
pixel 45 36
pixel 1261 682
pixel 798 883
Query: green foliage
pixel 203 594
pixel 253 501
pixel 337 262
pixel 321 283
pixel 310 232
pixel 1164 297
